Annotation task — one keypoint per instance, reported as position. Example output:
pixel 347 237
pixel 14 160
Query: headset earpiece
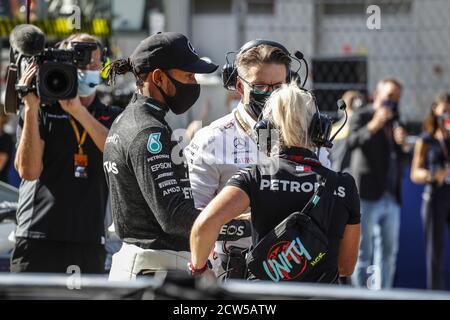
pixel 320 130
pixel 229 77
pixel 229 72
pixel 294 76
pixel 263 129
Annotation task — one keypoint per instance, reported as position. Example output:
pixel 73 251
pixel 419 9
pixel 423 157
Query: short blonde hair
pixel 262 54
pixel 291 110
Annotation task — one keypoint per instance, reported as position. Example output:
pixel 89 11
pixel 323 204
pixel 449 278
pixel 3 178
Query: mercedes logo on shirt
pixel 239 143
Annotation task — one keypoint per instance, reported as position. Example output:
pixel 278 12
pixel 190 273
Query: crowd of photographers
pixel 67 145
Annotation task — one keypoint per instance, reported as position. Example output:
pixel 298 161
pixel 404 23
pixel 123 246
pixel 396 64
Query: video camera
pixel 57 78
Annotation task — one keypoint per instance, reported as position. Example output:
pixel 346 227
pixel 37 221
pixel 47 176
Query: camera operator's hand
pixel 380 117
pixel 72 106
pixel 31 100
pixel 97 131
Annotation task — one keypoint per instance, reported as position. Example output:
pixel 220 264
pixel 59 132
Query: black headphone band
pixel 319 126
pixel 255 43
pixel 229 71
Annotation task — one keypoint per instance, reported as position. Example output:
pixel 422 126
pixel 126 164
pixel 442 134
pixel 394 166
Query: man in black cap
pixel 151 197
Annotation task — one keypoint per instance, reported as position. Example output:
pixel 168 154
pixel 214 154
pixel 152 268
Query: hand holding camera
pixel 71 106
pixel 382 116
pixel 31 100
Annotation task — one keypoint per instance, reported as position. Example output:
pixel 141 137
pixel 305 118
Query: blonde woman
pixel 274 194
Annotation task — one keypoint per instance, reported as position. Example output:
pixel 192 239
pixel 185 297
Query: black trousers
pixel 36 255
pixel 436 215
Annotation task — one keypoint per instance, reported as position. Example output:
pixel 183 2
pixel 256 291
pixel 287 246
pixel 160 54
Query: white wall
pixel 408 47
pixel 128 15
pixel 412 47
pixel 214 35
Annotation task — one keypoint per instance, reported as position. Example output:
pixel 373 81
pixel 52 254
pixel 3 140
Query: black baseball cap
pixel 168 50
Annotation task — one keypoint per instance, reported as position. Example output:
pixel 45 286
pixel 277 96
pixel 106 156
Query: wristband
pixel 196 271
pixel 23 90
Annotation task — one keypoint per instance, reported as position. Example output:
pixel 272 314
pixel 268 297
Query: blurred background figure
pixel 192 128
pixel 6 149
pixel 18 9
pixel 376 142
pixel 339 154
pixel 196 125
pixel 431 166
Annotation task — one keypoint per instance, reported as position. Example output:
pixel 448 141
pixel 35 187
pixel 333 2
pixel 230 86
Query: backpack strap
pixel 324 209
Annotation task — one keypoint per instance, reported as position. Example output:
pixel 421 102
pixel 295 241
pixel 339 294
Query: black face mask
pixel 185 96
pixel 257 102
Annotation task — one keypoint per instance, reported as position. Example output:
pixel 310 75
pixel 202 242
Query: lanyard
pixel 245 126
pixel 80 139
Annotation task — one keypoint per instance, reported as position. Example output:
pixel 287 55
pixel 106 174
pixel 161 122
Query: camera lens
pixel 56 81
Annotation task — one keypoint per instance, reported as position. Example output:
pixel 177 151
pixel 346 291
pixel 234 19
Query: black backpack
pixel 293 250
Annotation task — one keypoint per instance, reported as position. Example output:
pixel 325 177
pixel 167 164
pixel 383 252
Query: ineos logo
pixel 232 230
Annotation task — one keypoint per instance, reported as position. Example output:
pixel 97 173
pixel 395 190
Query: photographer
pixel 431 166
pixel 274 194
pixel 63 194
pixel 377 142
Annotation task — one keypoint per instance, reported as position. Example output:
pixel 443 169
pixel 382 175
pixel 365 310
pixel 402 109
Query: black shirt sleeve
pixel 242 180
pixel 149 155
pixel 351 199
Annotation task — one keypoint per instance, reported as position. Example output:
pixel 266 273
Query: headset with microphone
pixel 229 70
pixel 319 128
